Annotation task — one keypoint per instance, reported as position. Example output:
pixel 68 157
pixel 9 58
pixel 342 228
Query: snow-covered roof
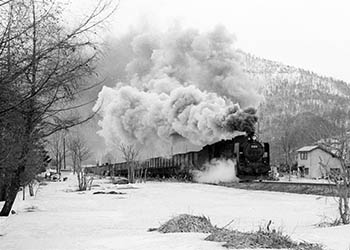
pixel 307 148
pixel 311 148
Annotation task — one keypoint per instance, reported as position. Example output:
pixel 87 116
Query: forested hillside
pixel 300 106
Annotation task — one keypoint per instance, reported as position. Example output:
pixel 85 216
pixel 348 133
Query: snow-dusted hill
pixel 296 99
pixel 60 219
pixel 293 90
pixel 275 73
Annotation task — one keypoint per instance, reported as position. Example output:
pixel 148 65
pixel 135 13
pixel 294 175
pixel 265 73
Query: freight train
pixel 252 159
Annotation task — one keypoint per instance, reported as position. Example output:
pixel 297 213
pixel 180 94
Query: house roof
pixel 311 148
pixel 307 148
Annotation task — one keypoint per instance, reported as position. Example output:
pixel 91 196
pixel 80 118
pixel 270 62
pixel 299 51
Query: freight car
pixel 252 160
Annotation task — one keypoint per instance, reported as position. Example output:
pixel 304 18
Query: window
pixel 303 155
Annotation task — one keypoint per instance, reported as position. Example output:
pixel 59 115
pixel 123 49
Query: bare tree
pixel 130 154
pixel 43 65
pixel 140 173
pixel 339 146
pixel 57 150
pixel 80 153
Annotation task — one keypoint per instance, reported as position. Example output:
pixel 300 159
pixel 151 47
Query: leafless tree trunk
pixel 130 154
pixel 31 189
pixel 56 149
pixel 141 173
pixel 145 175
pixel 24 192
pixel 80 153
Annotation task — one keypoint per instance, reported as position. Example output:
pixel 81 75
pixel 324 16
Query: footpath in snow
pixel 62 219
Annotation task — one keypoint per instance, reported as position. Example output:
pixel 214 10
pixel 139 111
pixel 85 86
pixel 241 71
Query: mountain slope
pixel 296 102
pixel 294 90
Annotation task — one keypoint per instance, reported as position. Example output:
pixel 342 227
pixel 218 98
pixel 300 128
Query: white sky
pixel 311 34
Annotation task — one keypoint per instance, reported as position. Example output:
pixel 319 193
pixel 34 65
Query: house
pixel 309 158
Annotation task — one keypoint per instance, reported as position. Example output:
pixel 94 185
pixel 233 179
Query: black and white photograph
pixel 182 125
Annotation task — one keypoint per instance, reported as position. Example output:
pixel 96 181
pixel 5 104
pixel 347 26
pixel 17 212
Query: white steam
pixel 182 86
pixel 217 171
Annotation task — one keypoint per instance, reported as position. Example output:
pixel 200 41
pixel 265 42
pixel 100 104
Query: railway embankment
pixel 325 189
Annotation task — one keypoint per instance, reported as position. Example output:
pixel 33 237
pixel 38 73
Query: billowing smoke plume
pixel 217 171
pixel 182 86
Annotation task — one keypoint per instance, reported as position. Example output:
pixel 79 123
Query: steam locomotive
pixel 251 156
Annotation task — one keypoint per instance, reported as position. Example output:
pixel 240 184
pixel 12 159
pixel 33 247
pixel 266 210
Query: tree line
pixel 44 66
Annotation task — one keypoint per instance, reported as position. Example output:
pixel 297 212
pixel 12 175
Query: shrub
pixel 187 223
pixel 259 239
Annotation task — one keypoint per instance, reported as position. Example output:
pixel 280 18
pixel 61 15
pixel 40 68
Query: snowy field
pixel 61 219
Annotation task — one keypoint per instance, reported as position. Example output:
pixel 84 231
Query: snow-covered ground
pixel 63 219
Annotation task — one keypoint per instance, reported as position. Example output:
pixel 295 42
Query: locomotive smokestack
pixel 180 83
pixel 241 120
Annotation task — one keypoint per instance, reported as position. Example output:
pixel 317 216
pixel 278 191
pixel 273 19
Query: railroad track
pixel 299 183
pixel 326 189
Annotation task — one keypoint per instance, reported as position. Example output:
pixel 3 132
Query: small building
pixel 309 158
